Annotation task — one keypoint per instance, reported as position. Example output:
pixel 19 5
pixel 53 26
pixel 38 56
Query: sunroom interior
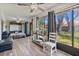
pixel 39 29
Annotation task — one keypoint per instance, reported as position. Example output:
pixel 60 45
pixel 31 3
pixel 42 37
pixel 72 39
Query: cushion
pixel 5 35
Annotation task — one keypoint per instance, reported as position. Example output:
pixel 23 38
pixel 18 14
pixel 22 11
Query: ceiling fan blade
pixel 40 3
pixel 24 4
pixel 28 4
pixel 41 9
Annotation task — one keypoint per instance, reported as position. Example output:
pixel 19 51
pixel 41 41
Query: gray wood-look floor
pixel 25 47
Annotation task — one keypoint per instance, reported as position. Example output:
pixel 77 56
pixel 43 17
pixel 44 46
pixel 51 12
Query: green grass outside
pixel 67 39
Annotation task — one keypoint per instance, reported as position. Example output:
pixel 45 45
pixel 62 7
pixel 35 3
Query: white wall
pixel 6 26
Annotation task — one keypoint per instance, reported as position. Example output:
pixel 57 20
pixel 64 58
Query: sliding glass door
pixel 76 28
pixel 64 27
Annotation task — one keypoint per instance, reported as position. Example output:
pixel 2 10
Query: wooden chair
pixel 50 46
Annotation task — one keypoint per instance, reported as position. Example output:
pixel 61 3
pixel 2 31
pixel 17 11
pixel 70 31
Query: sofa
pixel 6 43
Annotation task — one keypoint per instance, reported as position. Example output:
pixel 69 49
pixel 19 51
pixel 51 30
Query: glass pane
pixel 41 25
pixel 64 24
pixel 46 26
pixel 76 28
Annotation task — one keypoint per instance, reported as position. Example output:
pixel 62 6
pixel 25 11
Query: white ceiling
pixel 12 10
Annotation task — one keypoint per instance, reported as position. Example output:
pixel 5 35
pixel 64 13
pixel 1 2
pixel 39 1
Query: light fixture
pixel 19 20
pixel 34 6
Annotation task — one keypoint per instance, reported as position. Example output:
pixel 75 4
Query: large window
pixel 76 28
pixel 68 30
pixel 40 23
pixel 64 27
pixel 14 27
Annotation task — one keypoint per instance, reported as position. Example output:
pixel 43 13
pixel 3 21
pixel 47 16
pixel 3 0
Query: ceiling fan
pixel 33 6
